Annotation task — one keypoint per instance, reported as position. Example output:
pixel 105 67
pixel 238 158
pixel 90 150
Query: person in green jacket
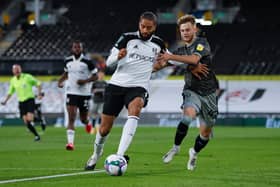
pixel 22 84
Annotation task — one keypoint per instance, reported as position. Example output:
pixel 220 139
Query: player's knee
pixel 186 120
pixel 205 133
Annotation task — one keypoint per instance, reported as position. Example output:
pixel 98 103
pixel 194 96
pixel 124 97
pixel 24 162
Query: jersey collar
pixel 189 44
pixel 79 59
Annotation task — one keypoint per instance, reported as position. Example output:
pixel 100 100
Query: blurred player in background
pixel 22 84
pixel 199 94
pixel 79 72
pixel 98 90
pixel 38 115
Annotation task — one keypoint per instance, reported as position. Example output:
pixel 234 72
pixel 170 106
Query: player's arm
pixel 93 71
pixel 62 78
pixel 115 56
pixel 39 87
pixel 6 99
pixel 10 93
pixel 186 59
pixel 199 70
pixel 118 51
pixel 92 78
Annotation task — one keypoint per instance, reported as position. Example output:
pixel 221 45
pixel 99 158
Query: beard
pixel 77 55
pixel 145 38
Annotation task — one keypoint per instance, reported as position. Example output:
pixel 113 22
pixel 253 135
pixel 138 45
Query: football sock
pixel 99 143
pixel 93 122
pixel 200 143
pixel 30 126
pixel 181 132
pixel 70 136
pixel 127 134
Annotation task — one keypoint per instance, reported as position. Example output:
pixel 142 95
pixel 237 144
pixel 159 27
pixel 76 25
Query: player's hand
pixel 163 57
pixel 199 70
pixel 39 96
pixel 60 84
pixel 122 53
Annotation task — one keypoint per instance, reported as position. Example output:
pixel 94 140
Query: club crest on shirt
pixel 199 47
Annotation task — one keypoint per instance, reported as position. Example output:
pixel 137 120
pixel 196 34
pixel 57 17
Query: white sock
pixel 127 134
pixel 98 144
pixel 70 136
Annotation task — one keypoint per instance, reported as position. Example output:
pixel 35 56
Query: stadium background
pixel 243 36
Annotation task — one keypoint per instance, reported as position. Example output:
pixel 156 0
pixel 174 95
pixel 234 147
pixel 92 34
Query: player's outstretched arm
pixel 186 59
pixel 6 100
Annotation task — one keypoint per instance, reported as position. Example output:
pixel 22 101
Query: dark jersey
pixel 98 89
pixel 208 84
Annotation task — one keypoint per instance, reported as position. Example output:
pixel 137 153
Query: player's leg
pixel 112 106
pixel 84 112
pixel 70 132
pixel 28 118
pixel 191 105
pixel 101 136
pixel 40 117
pixel 135 100
pixel 94 113
pixel 200 142
pixel 27 112
pixel 208 113
pixel 129 128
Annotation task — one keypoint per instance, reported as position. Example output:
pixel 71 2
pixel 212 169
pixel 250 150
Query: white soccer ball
pixel 115 165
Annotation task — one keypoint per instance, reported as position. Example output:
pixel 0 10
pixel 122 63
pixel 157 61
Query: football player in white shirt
pixel 135 54
pixel 79 72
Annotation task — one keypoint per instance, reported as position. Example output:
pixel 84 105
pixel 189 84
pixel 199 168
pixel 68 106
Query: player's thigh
pixel 113 100
pixel 191 100
pixel 83 107
pixel 209 109
pixel 137 95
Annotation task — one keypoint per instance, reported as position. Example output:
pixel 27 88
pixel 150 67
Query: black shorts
pixel 116 97
pixel 27 106
pixel 80 101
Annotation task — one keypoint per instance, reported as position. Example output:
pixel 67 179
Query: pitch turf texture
pixel 248 157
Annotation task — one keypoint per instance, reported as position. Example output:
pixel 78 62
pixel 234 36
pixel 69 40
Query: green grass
pixel 248 157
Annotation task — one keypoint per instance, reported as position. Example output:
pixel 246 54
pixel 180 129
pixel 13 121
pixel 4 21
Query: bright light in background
pixel 203 21
pixel 32 22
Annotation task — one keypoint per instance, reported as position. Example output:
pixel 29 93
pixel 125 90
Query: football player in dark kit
pixel 199 93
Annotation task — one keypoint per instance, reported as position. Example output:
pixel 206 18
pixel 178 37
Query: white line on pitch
pixel 50 176
pixel 42 169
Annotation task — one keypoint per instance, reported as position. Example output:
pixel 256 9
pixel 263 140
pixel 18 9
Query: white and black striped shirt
pixel 136 67
pixel 81 68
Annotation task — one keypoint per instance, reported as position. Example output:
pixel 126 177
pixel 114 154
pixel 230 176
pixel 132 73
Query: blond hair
pixel 185 19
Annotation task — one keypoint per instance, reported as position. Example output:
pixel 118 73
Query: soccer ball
pixel 115 165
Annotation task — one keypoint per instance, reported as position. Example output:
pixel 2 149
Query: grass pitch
pixel 248 157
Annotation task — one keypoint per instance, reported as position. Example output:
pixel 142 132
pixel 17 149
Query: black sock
pixel 32 129
pixel 181 132
pixel 93 122
pixel 200 143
